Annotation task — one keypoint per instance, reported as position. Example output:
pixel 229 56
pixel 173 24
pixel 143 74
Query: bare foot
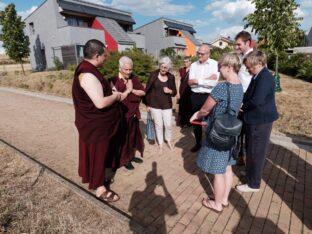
pixel 161 150
pixel 170 146
pixel 100 190
pixel 211 205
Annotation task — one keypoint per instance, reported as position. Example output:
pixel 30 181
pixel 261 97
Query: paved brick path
pixel 164 193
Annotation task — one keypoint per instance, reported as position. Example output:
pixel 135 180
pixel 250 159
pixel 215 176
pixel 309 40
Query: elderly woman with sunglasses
pixel 228 94
pixel 160 89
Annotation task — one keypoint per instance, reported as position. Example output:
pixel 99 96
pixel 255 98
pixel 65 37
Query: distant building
pixel 165 33
pixel 222 42
pixel 60 28
pixel 302 50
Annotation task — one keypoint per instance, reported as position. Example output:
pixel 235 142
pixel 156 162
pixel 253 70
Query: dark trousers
pixel 197 101
pixel 258 139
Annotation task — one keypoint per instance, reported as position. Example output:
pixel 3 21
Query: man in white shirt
pixel 243 47
pixel 203 78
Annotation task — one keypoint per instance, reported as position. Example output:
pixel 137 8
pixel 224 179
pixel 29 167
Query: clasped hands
pixel 122 95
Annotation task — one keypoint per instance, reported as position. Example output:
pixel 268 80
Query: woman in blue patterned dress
pixel 209 159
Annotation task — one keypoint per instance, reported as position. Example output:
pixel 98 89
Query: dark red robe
pixel 98 130
pixel 185 110
pixel 132 136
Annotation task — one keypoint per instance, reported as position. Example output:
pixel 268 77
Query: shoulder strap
pixel 229 110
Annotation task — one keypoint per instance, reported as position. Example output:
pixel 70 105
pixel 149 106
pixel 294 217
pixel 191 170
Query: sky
pixel 210 18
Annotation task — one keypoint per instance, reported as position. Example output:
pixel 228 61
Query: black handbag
pixel 225 129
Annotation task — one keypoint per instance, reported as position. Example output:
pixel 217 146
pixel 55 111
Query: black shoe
pixel 195 148
pixel 137 160
pixel 129 166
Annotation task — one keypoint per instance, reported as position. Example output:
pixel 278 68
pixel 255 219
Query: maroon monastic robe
pixel 98 130
pixel 132 136
pixel 185 109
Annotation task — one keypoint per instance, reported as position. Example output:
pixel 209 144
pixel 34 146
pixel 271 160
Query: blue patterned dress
pixel 209 159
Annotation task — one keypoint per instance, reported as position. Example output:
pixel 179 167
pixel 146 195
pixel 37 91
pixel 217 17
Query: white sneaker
pixel 245 188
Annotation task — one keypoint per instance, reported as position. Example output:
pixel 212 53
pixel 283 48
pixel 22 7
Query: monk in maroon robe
pixel 185 113
pixel 97 117
pixel 132 136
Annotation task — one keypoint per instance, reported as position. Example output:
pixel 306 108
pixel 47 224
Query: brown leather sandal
pixel 109 196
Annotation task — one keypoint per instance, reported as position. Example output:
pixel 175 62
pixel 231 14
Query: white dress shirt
pixel 200 72
pixel 243 74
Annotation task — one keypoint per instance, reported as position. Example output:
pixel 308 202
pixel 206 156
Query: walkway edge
pixel 80 191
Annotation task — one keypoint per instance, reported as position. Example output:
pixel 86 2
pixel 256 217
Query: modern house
pixel 58 29
pixel 222 42
pixel 165 33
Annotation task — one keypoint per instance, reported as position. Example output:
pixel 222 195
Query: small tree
pixel 15 42
pixel 168 52
pixel 276 24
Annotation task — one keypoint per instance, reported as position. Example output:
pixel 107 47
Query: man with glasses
pixel 203 78
pixel 243 47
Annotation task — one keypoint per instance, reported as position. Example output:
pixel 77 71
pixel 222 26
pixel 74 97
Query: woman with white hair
pixel 132 139
pixel 160 89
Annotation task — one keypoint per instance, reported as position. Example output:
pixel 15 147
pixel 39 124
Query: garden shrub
pixel 143 64
pixel 305 70
pixel 57 63
pixel 216 53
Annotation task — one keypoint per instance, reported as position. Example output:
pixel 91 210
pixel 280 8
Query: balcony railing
pixel 173 41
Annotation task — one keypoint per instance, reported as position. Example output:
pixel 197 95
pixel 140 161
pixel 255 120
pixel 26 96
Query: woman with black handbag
pixel 226 95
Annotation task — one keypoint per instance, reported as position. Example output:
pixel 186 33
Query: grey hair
pixel 166 61
pixel 125 60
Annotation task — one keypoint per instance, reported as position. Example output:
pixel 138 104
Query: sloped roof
pixel 191 37
pixel 172 24
pixel 114 29
pixel 179 26
pixel 223 39
pixel 96 10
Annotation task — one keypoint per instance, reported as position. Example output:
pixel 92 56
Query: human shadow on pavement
pixel 287 174
pixel 148 207
pixel 290 178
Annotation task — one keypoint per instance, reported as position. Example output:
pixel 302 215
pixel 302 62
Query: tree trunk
pixel 276 64
pixel 23 68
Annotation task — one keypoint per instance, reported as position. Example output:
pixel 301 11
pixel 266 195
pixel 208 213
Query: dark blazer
pixel 259 100
pixel 150 82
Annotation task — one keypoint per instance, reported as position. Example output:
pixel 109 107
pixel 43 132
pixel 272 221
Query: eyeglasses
pixel 200 53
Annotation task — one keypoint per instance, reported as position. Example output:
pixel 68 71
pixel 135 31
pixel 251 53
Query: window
pixel 31 28
pixel 78 22
pixel 79 51
pixel 220 43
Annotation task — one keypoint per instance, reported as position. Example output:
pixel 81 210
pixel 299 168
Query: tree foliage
pixel 168 52
pixel 216 53
pixel 143 64
pixel 276 24
pixel 15 42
